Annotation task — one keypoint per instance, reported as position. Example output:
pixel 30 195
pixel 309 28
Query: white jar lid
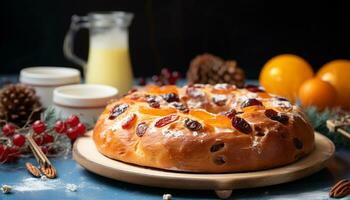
pixel 84 95
pixel 49 76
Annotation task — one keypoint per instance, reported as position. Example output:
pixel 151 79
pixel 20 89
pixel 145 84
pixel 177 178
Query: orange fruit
pixel 284 74
pixel 155 89
pixel 211 119
pixel 337 73
pixel 156 111
pixel 318 93
pixel 201 114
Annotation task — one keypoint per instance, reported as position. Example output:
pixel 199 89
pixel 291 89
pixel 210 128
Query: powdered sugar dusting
pixel 172 133
pixel 284 105
pixel 256 144
pixel 35 184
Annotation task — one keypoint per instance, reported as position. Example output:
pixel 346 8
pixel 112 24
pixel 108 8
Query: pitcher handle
pixel 77 23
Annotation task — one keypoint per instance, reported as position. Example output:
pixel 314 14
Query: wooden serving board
pixel 86 154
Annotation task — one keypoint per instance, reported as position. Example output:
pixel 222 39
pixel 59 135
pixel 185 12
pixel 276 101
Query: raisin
pixel 230 114
pixel 260 134
pixel 150 98
pixel 192 125
pixel 297 143
pixel 152 101
pixel 117 110
pixel 132 91
pixel 129 121
pixel 242 125
pixel 251 102
pixel 253 88
pixel 219 100
pixel 217 146
pixel 259 131
pixel 180 106
pixel 219 160
pixel 281 99
pixel 283 105
pixel 166 120
pixel 170 97
pixel 141 129
pixel 280 117
pixel 154 104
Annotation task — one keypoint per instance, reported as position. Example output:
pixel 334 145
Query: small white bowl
pixel 45 79
pixel 86 100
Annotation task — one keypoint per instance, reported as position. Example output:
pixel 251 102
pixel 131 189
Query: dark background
pixel 170 33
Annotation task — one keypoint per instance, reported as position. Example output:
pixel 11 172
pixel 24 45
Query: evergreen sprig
pixel 318 120
pixel 49 116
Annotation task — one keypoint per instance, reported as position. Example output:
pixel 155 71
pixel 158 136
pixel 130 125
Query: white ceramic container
pixel 86 100
pixel 46 79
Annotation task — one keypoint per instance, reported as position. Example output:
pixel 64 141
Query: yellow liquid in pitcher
pixel 110 66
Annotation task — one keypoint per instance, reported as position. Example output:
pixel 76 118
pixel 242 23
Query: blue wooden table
pixel 91 186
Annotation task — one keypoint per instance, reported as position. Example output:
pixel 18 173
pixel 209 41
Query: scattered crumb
pixel 43 178
pixel 71 187
pixel 167 196
pixel 6 189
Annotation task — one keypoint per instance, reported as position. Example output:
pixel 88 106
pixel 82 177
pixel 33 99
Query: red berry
pixel 72 121
pixel 142 81
pixel 38 126
pixel 60 127
pixel 155 78
pixel 165 72
pixel 8 129
pixel 19 140
pixel 172 80
pixel 44 149
pixel 81 129
pixel 48 139
pixel 13 154
pixel 2 149
pixel 39 140
pixel 72 133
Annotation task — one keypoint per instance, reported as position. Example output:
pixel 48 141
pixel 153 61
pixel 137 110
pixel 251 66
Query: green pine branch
pixel 318 120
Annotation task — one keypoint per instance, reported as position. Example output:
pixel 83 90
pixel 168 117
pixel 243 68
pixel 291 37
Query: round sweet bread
pixel 203 128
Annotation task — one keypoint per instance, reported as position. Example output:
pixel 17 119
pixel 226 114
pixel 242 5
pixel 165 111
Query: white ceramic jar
pixel 45 79
pixel 86 100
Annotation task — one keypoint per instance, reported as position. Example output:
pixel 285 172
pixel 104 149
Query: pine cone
pixel 17 103
pixel 210 69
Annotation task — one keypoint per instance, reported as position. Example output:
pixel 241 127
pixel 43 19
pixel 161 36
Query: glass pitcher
pixel 108 59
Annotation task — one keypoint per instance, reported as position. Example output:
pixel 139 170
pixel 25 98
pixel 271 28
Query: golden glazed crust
pixel 196 133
